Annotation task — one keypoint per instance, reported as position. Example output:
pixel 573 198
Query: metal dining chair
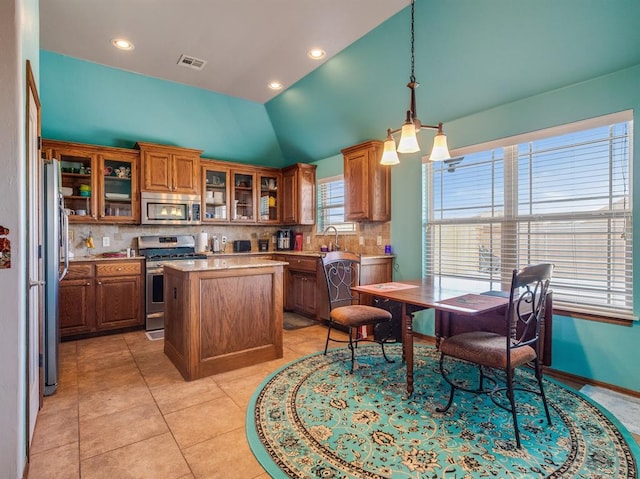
pixel 342 272
pixel 518 345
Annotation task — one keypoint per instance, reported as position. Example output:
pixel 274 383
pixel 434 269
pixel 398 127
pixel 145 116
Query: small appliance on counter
pixel 263 245
pixel 297 241
pixel 284 240
pixel 241 246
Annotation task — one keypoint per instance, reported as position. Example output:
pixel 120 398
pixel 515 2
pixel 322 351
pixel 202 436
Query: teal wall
pixel 91 103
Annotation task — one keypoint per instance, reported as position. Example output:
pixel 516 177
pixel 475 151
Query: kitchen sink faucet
pixel 336 246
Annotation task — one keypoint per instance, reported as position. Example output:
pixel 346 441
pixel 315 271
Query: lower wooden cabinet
pixel 305 289
pixel 76 299
pixel 97 297
pixel 303 292
pixel 301 283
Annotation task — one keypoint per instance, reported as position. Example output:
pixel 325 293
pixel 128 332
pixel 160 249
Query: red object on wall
pixel 5 249
pixel 297 243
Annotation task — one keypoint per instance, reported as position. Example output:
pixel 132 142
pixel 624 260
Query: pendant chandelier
pixel 408 140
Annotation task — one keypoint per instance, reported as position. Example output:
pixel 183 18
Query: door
pixel 118 302
pixel 157 171
pixel 35 267
pixel 288 196
pixel 186 176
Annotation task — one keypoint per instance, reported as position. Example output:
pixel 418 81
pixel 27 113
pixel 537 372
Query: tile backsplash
pixel 121 237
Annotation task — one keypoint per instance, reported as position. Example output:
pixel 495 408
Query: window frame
pixel 510 146
pixel 344 227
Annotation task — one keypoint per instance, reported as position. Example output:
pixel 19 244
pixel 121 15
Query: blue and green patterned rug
pixel 312 419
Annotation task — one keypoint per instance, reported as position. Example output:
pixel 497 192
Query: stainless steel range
pixel 157 251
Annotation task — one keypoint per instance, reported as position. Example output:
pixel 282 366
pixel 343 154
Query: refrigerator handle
pixel 65 242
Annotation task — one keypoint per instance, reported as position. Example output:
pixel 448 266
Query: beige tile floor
pixel 123 411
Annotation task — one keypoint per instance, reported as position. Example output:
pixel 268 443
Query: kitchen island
pixel 222 314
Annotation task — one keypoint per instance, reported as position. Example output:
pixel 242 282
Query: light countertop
pixel 248 254
pixel 313 254
pixel 221 263
pixel 98 257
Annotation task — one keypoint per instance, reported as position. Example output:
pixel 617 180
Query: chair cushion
pixel 359 315
pixel 487 349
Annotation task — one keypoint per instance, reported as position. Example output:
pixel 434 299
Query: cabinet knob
pixel 87 284
pixel 99 282
pixel 119 268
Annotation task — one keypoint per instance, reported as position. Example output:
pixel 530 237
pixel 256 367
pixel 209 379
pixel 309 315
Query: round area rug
pixel 312 419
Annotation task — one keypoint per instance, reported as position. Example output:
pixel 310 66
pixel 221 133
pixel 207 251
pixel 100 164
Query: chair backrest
pixel 526 305
pixel 342 271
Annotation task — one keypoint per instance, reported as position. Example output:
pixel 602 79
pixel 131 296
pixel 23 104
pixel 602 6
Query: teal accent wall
pixel 332 166
pixel 90 103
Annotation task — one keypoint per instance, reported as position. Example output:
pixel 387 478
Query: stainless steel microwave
pixel 169 209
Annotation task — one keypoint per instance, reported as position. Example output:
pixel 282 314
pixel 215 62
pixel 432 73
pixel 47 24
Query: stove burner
pixel 175 257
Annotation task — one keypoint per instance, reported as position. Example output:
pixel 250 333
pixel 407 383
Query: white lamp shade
pixel 440 150
pixel 408 141
pixel 389 154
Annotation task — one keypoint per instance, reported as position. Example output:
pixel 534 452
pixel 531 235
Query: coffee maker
pixel 284 240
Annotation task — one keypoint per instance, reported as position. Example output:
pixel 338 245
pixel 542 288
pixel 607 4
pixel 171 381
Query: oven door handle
pixel 155 315
pixel 155 271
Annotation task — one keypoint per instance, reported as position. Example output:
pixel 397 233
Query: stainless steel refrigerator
pixel 56 248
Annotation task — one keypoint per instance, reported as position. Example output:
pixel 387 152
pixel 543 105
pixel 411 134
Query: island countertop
pixel 214 264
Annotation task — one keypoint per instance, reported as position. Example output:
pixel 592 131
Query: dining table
pixel 462 297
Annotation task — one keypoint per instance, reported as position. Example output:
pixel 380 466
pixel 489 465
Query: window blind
pixel 330 209
pixel 561 197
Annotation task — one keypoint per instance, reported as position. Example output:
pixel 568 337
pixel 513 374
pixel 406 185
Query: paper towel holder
pixel 202 240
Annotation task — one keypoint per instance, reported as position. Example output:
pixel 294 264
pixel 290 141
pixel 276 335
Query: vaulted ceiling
pixel 470 55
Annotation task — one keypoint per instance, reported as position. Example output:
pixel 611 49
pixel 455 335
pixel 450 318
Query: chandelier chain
pixel 412 77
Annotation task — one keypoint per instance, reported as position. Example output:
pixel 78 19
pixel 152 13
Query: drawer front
pixel 119 268
pixel 302 264
pixel 79 271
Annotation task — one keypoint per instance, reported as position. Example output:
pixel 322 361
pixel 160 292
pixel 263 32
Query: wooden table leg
pixel 407 346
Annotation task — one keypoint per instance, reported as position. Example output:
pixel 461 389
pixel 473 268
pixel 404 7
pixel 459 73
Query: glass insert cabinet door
pixel 215 194
pixel 268 202
pixel 243 197
pixel 118 188
pixel 77 185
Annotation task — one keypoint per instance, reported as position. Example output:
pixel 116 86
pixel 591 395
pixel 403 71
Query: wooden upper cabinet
pixel 186 174
pixel 367 183
pixel 169 169
pixel 269 186
pixel 101 181
pixel 299 194
pixel 118 197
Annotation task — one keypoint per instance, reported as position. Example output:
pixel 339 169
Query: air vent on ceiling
pixel 191 62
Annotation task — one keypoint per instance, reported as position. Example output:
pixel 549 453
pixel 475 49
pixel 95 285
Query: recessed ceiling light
pixel 275 85
pixel 317 53
pixel 122 44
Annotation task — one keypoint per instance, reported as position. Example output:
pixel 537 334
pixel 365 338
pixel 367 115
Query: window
pixel 331 205
pixel 560 195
